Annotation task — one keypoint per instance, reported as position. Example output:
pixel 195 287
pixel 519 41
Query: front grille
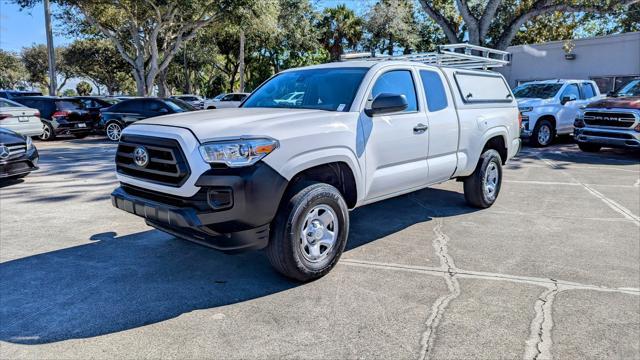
pixel 167 164
pixel 15 151
pixel 612 119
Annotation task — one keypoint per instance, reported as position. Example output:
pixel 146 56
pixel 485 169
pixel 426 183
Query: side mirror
pixel 387 103
pixel 566 99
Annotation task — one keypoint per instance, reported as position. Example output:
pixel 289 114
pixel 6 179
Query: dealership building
pixel 611 61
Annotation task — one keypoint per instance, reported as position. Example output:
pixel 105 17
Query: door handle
pixel 420 128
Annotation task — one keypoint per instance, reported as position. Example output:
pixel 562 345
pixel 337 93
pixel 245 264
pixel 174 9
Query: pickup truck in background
pixel 284 175
pixel 549 107
pixel 611 122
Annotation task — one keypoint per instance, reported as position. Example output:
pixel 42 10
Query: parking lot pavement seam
pixel 539 344
pixel 612 204
pixel 448 272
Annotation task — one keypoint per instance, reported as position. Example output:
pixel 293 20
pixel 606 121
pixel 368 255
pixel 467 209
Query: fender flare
pixel 303 161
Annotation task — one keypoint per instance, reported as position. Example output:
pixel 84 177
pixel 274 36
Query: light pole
pixel 50 49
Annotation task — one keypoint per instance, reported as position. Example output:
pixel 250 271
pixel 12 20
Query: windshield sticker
pixel 341 107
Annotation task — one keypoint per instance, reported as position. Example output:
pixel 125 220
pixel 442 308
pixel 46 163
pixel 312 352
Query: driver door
pixel 397 146
pixel 569 110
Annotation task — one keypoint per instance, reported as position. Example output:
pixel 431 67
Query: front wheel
pixel 309 232
pixel 47 132
pixel 481 189
pixel 114 131
pixel 543 134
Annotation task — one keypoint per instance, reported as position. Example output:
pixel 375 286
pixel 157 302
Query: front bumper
pixel 19 165
pixel 525 132
pixel 624 139
pixel 231 211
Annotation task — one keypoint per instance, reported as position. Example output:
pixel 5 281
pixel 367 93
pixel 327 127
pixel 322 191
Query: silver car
pixel 19 118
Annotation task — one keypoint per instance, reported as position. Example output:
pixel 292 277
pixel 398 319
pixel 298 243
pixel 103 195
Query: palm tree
pixel 341 28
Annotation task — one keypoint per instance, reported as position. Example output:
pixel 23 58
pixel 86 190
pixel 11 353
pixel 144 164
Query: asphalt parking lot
pixel 551 270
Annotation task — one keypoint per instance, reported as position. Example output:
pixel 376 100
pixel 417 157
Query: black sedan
pixel 18 155
pixel 115 118
pixel 93 104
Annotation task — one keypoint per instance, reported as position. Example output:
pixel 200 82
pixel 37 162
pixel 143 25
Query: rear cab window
pixel 482 88
pixel 434 90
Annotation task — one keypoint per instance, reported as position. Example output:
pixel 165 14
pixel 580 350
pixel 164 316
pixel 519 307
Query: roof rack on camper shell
pixel 464 56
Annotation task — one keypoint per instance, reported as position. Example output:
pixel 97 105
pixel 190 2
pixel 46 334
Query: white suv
pixel 549 107
pixel 284 175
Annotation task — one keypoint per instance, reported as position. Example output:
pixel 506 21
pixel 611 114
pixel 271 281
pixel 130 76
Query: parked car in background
pixel 195 100
pixel 284 176
pixel 19 118
pixel 231 100
pixel 611 122
pixel 549 107
pixel 13 94
pixel 18 155
pixel 60 116
pixel 117 117
pixel 93 104
pixel 291 98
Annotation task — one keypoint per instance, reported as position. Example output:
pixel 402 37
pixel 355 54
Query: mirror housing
pixel 566 99
pixel 386 103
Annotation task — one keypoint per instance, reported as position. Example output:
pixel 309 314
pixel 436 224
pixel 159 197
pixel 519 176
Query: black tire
pixel 80 135
pixel 536 134
pixel 286 251
pixel 587 147
pixel 48 132
pixel 474 185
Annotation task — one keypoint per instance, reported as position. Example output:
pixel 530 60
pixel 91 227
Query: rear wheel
pixel 589 147
pixel 481 189
pixel 309 232
pixel 114 131
pixel 47 132
pixel 543 134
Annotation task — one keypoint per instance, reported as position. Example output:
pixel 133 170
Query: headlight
pixel 237 153
pixel 525 109
pixel 29 143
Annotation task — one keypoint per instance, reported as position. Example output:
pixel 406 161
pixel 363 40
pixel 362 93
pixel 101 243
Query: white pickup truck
pixel 284 175
pixel 550 107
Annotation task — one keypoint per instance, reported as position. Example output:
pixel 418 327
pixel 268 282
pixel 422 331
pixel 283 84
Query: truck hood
pixel 632 102
pixel 533 102
pixel 237 122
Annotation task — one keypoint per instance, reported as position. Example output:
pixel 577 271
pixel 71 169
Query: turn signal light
pixel 519 120
pixel 60 114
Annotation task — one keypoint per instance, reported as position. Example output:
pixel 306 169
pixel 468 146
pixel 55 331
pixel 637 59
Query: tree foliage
pixel 84 88
pixel 35 61
pixel 391 24
pixel 340 27
pixel 13 74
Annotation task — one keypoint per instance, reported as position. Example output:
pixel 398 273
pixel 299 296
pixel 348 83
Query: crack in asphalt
pixel 448 268
pixel 538 346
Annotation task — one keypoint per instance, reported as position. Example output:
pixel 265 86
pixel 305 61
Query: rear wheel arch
pixel 498 143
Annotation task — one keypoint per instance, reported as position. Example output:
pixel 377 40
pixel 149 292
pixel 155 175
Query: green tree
pixel 34 59
pixel 69 92
pixel 99 61
pixel 340 28
pixel 84 88
pixel 392 24
pixel 497 22
pixel 13 74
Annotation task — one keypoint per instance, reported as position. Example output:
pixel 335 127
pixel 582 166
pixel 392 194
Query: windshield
pixel 539 91
pixel 331 89
pixel 9 103
pixel 179 105
pixel 631 89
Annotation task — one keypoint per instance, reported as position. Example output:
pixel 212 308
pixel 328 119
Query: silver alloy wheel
pixel 318 233
pixel 114 131
pixel 544 134
pixel 46 132
pixel 491 180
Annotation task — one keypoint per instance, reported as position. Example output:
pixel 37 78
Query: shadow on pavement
pixel 124 282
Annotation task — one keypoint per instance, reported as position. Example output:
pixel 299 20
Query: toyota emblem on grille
pixel 4 152
pixel 141 156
